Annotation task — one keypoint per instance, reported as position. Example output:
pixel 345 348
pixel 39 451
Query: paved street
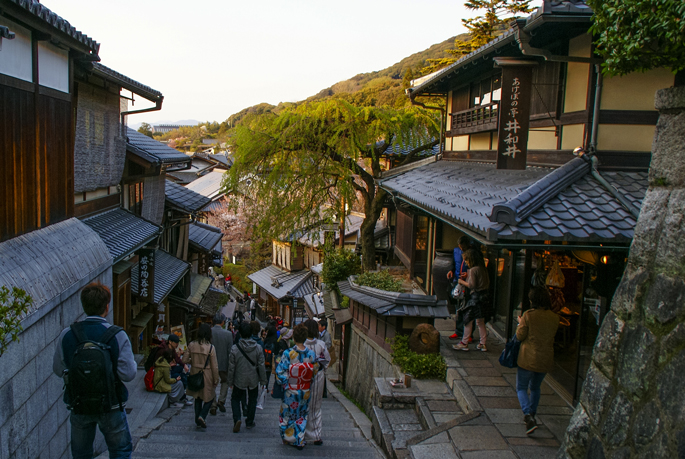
pixel 180 438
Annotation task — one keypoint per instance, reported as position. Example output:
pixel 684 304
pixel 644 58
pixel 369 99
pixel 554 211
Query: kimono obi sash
pixel 300 375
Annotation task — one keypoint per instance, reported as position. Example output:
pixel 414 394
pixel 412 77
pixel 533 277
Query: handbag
pixel 458 292
pixel 510 353
pixel 278 391
pixel 196 382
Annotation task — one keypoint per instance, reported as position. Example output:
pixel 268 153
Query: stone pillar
pixel 633 400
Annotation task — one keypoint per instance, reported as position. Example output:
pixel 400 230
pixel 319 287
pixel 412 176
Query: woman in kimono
pixel 323 358
pixel 295 371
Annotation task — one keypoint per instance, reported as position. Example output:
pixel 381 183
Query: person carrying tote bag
pixel 202 357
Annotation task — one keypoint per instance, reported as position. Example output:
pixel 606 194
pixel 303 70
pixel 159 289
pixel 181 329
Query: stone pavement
pixel 179 437
pixel 486 391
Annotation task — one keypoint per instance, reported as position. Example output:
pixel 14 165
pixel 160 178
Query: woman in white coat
pixel 314 420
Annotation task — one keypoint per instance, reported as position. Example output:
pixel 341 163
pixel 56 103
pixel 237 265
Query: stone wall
pixel 33 418
pixel 366 361
pixel 633 400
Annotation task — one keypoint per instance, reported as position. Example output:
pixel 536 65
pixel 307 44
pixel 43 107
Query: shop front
pixel 561 228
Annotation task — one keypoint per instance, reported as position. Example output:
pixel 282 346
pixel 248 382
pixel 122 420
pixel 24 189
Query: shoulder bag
pixel 196 382
pixel 510 353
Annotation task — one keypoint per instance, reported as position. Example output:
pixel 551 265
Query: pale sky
pixel 213 58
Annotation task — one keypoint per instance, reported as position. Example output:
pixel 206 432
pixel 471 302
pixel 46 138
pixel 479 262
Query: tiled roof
pixel 122 231
pixel 279 283
pixel 221 159
pixel 211 303
pixel 126 82
pixel 394 303
pixel 57 22
pixel 218 253
pixel 397 149
pixel 151 147
pixel 213 206
pixel 314 304
pixel 466 194
pixel 50 261
pixel 183 198
pixel 204 237
pixel 169 270
pixel 316 238
pixel 561 8
pixel 208 185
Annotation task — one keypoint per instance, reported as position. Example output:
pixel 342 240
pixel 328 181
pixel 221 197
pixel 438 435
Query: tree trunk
pixel 636 375
pixel 372 211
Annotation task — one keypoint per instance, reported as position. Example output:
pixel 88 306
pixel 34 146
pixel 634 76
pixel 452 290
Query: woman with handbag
pixel 536 330
pixel 323 358
pixel 477 306
pixel 204 373
pixel 295 371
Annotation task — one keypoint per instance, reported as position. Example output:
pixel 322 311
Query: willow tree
pixel 300 165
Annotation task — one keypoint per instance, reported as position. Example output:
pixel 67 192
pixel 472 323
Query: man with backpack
pixel 95 359
pixel 245 373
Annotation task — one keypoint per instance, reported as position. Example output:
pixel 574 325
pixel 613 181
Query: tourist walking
pixel 477 306
pixel 295 372
pixel 270 347
pixel 90 401
pixel 536 330
pixel 323 358
pixel 202 358
pixel 245 373
pixel 223 342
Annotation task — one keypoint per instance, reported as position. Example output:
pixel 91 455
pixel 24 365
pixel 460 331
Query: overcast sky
pixel 212 58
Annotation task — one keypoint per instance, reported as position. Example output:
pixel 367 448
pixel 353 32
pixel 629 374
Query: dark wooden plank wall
pixel 36 150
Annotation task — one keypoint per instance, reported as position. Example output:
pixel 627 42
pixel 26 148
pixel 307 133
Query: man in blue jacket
pixel 95 299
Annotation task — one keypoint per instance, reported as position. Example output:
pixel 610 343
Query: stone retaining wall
pixel 366 361
pixel 633 400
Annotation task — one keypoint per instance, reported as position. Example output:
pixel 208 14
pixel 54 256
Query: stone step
pixel 238 450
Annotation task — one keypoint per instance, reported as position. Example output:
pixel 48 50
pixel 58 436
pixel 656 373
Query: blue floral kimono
pixel 295 371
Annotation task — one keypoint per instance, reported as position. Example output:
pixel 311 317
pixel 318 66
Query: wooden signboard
pixel 146 275
pixel 514 112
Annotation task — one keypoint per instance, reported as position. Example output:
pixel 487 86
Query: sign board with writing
pixel 146 275
pixel 514 113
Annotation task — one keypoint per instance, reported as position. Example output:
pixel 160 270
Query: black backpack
pixel 268 354
pixel 91 380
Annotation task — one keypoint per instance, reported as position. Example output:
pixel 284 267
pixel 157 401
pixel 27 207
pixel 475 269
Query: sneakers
pixel 236 427
pixel 212 411
pixel 318 442
pixel 250 426
pixel 481 347
pixel 222 407
pixel 187 402
pixel 201 422
pixel 460 347
pixel 531 425
pixel 454 336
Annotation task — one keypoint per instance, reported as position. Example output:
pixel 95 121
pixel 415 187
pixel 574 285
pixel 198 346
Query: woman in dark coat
pixel 477 306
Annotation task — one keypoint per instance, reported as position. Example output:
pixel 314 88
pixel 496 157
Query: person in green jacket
pixel 164 383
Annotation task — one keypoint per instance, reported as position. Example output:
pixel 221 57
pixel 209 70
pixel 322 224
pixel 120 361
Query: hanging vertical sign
pixel 146 275
pixel 514 112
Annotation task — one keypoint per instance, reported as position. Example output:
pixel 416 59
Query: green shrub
pixel 338 265
pixel 381 280
pixel 238 274
pixel 13 305
pixel 421 366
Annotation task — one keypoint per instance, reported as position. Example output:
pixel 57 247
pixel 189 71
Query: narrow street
pixel 180 438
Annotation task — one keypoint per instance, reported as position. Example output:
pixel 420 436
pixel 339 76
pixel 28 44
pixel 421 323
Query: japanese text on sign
pixel 512 126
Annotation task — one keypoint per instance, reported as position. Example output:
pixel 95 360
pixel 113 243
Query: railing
pixel 477 116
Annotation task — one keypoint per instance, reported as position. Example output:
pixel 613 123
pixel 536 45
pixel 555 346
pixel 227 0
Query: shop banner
pixel 146 275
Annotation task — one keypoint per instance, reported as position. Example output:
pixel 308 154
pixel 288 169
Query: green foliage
pixel 145 129
pixel 482 29
pixel 13 305
pixel 345 302
pixel 421 366
pixel 639 34
pixel 338 265
pixel 238 274
pixel 305 160
pixel 381 280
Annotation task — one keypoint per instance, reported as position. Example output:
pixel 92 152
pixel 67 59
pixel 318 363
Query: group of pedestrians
pixel 536 329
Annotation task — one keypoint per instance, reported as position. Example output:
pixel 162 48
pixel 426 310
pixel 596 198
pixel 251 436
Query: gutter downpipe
pixel 610 188
pixel 595 112
pixel 157 107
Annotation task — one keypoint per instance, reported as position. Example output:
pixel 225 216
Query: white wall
pixel 53 67
pixel 15 55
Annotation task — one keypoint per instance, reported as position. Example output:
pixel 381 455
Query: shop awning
pixel 314 305
pixel 342 316
pixel 168 271
pixel 394 303
pixel 199 286
pixel 122 231
pixel 279 283
pixel 535 204
pixel 142 319
pixel 211 303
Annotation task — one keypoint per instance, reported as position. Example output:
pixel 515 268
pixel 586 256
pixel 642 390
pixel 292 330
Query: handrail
pixel 483 114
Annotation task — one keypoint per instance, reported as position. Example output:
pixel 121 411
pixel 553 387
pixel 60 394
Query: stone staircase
pixel 179 437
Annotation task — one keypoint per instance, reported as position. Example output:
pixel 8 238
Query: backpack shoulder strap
pixel 245 355
pixel 77 330
pixel 109 334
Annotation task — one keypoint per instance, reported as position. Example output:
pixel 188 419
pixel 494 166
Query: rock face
pixel 633 400
pixel 425 339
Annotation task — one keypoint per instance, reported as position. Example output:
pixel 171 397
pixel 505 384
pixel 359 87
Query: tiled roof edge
pixel 59 23
pixel 530 199
pixel 126 82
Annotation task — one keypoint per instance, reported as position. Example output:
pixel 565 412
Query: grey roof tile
pixel 126 82
pixel 183 198
pixel 205 237
pixel 279 283
pixel 154 148
pixel 122 231
pixel 208 185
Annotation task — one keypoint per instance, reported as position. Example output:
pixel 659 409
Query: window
pixel 135 198
pixel 486 91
